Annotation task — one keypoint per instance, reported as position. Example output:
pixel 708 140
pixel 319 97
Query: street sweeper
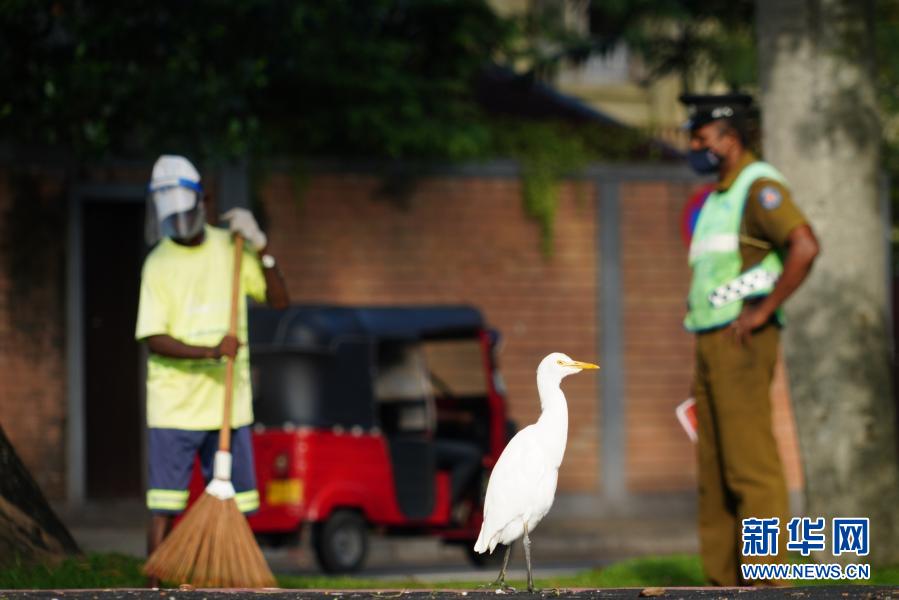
pixel 192 315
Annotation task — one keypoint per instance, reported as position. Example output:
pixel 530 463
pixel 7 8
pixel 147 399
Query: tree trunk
pixel 821 128
pixel 29 530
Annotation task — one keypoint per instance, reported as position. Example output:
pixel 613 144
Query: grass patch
pixel 322 582
pixel 91 571
pixel 656 571
pixel 103 571
pixel 664 571
pixel 118 571
pixel 884 576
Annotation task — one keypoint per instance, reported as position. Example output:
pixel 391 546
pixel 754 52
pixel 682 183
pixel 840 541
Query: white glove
pixel 241 221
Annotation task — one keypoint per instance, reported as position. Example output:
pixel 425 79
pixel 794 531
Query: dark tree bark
pixel 29 529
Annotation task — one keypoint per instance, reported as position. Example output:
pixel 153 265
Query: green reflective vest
pixel 718 288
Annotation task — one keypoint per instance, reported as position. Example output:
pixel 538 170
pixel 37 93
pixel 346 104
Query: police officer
pixel 751 248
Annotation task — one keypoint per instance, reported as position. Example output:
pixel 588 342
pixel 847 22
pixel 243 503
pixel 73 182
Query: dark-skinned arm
pixel 275 287
pixel 166 345
pixel 802 249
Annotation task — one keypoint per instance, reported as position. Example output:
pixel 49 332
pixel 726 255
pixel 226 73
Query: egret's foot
pixel 498 585
pixel 546 592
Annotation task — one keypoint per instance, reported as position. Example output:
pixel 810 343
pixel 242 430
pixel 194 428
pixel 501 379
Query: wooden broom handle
pixel 225 434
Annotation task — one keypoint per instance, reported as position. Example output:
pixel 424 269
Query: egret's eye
pixel 561 362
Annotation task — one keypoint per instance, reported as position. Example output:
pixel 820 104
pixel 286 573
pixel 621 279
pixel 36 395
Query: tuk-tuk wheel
pixel 486 560
pixel 341 542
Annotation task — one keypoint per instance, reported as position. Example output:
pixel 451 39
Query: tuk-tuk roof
pixel 317 327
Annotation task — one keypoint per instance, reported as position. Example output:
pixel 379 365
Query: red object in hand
pixel 686 414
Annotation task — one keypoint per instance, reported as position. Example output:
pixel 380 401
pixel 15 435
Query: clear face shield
pixel 176 212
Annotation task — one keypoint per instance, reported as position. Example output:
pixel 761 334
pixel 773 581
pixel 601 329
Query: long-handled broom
pixel 213 546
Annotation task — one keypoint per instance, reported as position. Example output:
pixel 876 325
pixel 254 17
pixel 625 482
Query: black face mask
pixel 704 161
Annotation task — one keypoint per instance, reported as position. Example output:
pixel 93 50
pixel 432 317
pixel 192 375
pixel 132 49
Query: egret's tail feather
pixel 480 546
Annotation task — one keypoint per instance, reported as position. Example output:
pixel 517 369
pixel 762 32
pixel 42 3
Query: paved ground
pixel 829 593
pixel 560 546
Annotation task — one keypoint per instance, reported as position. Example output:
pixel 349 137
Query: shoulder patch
pixel 770 197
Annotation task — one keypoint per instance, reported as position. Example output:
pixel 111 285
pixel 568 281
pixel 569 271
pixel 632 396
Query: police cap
pixel 703 109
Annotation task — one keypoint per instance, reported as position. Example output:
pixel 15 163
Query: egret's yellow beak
pixel 581 365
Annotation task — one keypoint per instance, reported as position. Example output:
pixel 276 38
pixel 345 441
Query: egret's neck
pixel 553 418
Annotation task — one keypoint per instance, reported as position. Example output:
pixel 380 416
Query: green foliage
pixel 550 151
pixel 388 79
pixel 547 154
pixel 702 42
pixel 377 78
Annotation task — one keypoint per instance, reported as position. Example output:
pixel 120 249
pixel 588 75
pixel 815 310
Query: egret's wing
pixel 515 479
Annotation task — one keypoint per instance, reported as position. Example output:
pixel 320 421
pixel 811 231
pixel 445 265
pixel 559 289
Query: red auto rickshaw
pixel 373 417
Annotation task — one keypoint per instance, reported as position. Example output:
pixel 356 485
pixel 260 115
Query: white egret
pixel 523 482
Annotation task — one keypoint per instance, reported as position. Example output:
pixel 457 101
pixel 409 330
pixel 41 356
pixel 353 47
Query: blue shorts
pixel 172 453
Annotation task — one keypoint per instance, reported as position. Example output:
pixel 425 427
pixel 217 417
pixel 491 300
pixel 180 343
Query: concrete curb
pixel 827 593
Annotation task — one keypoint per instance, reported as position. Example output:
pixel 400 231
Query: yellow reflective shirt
pixel 185 293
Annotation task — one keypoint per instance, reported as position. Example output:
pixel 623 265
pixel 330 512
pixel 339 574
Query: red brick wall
pixel 785 427
pixel 657 351
pixel 455 239
pixel 33 380
pixel 467 240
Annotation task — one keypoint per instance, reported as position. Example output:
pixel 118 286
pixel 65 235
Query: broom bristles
pixel 212 547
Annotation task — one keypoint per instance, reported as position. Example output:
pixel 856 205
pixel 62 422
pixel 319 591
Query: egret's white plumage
pixel 523 482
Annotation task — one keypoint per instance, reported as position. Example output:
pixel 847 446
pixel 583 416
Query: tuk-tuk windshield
pixel 455 367
pixel 437 386
pixel 401 388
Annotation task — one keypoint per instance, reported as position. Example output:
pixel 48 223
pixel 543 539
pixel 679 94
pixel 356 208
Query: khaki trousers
pixel 740 473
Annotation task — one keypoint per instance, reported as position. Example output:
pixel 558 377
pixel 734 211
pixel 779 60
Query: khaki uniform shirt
pixel 768 217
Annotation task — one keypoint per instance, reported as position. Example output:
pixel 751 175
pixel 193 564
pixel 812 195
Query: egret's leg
pixel 501 578
pixel 502 572
pixel 527 557
pixel 500 581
